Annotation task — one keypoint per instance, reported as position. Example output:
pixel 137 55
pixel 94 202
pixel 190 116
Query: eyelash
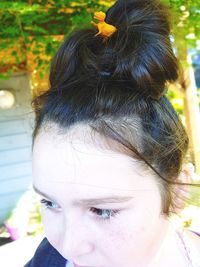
pixel 49 205
pixel 102 219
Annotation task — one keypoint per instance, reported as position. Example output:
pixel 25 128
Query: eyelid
pixel 41 196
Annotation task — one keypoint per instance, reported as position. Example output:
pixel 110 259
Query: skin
pixel 69 168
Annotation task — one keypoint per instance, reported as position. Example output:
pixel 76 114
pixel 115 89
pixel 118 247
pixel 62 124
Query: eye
pixel 50 205
pixel 104 214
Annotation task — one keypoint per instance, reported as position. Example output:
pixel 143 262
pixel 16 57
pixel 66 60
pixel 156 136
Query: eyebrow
pixel 91 201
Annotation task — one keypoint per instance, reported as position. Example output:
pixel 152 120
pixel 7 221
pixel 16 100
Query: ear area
pixel 180 191
pixel 189 169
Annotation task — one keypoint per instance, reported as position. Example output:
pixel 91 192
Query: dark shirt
pixel 46 256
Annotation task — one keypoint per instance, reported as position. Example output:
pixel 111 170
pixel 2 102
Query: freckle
pixel 118 237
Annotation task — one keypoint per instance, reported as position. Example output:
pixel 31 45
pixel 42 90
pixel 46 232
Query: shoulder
pixel 46 256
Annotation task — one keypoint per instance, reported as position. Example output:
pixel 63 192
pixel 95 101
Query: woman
pixel 109 149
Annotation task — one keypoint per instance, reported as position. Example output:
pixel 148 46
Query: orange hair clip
pixel 104 28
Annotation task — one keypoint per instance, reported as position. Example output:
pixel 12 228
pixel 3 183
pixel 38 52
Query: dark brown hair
pixel 117 87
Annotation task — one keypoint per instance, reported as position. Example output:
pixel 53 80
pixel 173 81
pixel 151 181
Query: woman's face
pixel 100 208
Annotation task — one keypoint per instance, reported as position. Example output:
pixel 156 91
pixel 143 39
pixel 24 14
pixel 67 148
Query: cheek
pixel 120 244
pixel 127 242
pixel 131 232
pixel 121 239
pixel 121 234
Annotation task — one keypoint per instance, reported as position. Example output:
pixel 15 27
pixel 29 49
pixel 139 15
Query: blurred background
pixel 30 33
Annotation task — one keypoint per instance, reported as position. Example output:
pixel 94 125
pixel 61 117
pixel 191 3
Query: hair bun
pixel 141 50
pixel 139 54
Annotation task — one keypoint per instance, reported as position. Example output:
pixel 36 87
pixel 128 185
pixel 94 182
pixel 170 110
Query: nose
pixel 76 239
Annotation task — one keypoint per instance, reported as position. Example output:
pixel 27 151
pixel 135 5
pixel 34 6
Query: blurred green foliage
pixel 32 26
pixel 186 22
pixel 35 23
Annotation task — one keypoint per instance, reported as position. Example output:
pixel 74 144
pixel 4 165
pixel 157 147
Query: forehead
pixel 75 159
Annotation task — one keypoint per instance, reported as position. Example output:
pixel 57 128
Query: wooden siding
pixel 15 145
